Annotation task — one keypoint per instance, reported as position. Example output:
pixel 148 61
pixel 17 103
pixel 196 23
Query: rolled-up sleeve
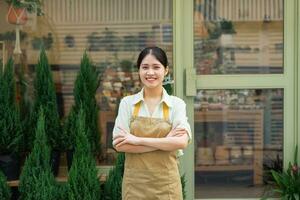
pixel 180 119
pixel 123 118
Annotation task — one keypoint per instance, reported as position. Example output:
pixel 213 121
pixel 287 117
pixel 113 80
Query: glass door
pixel 238 86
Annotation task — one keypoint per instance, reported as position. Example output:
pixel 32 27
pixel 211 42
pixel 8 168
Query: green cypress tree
pixel 10 131
pixel 83 182
pixel 86 84
pixel 113 184
pixel 37 181
pixel 45 96
pixel 25 105
pixel 5 193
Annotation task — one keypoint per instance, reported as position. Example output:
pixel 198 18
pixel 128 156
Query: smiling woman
pixel 151 130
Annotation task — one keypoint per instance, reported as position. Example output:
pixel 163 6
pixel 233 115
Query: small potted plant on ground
pixel 286 183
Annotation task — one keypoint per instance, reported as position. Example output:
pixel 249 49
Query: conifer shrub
pixel 36 181
pixel 45 96
pixel 86 84
pixel 5 193
pixel 10 127
pixel 113 184
pixel 83 182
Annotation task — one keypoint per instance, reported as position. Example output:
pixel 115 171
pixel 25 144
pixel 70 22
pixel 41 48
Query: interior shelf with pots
pixel 230 140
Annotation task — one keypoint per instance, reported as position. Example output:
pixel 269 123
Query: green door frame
pixel 186 80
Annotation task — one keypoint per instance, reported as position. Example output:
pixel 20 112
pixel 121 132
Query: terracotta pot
pixel 205 156
pixel 236 155
pixel 17 16
pixel 222 155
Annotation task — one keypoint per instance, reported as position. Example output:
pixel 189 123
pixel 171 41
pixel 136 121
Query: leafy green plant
pixel 83 182
pixel 183 184
pixel 5 192
pixel 37 181
pixel 287 183
pixel 45 96
pixel 10 131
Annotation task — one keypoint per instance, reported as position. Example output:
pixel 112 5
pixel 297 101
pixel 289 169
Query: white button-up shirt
pixel 177 112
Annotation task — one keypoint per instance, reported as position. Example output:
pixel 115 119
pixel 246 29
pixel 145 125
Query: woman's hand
pixel 177 132
pixel 124 137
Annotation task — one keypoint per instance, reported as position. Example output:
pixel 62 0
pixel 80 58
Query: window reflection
pixel 238 137
pixel 238 36
pixel 112 33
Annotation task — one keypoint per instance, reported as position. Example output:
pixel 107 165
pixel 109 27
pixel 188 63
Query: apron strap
pixel 166 111
pixel 137 107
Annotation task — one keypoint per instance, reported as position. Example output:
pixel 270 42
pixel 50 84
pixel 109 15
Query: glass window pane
pixel 238 138
pixel 112 33
pixel 238 36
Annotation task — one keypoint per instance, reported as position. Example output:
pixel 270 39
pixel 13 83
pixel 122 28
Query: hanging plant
pixel 44 41
pixel 69 41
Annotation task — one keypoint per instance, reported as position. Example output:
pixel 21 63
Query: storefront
pixel 234 62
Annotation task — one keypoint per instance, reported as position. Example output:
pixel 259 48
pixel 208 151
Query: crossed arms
pixel 124 141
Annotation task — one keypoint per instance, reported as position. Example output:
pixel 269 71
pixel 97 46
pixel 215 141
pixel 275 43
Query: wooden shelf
pixel 213 168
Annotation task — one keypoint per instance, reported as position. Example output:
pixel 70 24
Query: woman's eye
pixel 145 67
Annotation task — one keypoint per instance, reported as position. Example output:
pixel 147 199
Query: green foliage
pixel 287 182
pixel 5 193
pixel 45 96
pixel 30 5
pixel 10 131
pixel 83 182
pixel 86 84
pixel 37 181
pixel 183 184
pixel 25 108
pixel 113 184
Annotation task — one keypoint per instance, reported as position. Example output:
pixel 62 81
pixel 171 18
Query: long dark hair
pixel 157 52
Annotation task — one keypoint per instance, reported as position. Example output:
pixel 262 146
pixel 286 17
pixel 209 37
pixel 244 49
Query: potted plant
pixel 227 30
pixel 17 12
pixel 83 182
pixel 286 183
pixel 37 181
pixel 10 131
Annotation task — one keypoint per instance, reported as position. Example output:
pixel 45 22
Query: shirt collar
pixel 140 97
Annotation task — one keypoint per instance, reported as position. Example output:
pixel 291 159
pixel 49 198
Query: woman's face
pixel 152 72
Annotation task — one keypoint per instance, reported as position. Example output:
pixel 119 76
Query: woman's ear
pixel 167 70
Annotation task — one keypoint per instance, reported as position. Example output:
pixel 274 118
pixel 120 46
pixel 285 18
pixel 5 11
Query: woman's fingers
pixel 121 143
pixel 118 140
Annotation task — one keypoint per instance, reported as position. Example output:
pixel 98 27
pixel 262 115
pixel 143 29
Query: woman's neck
pixel 153 93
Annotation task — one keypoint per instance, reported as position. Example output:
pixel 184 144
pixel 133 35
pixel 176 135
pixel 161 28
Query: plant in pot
pixel 37 181
pixel 227 30
pixel 83 182
pixel 286 183
pixel 10 131
pixel 18 9
pixel 45 96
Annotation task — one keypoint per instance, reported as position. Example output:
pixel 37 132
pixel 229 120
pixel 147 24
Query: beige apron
pixel 152 175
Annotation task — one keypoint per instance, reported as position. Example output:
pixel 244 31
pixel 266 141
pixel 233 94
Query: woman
pixel 151 128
